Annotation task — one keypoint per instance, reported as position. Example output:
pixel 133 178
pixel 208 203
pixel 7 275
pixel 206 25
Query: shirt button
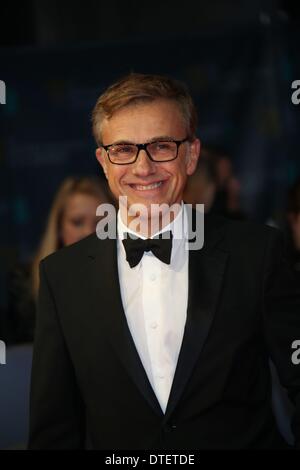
pixel 152 277
pixel 153 324
pixel 160 375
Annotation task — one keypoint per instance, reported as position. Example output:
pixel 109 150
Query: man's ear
pixel 193 157
pixel 102 160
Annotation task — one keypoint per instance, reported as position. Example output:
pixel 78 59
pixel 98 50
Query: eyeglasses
pixel 158 151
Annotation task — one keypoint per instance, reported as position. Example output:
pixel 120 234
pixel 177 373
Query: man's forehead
pixel 159 105
pixel 160 117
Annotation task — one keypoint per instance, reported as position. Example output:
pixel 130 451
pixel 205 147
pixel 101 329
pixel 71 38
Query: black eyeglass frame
pixel 144 147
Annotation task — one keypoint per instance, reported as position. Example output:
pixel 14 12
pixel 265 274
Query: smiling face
pixel 146 182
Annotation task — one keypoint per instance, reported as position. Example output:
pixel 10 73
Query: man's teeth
pixel 149 186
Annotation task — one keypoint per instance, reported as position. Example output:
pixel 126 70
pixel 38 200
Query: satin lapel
pixel 206 269
pixel 108 303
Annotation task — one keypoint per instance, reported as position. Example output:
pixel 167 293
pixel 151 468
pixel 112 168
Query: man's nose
pixel 143 165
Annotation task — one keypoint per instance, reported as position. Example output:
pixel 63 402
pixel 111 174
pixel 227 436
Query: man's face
pixel 143 123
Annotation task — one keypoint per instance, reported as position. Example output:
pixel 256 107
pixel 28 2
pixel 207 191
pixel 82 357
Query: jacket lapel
pixel 106 293
pixel 206 270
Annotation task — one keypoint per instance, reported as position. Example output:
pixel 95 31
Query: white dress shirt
pixel 154 296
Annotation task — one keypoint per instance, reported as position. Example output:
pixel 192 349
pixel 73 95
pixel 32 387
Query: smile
pixel 140 187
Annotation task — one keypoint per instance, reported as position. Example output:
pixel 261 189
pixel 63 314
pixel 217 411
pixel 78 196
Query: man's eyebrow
pixel 162 137
pixel 153 139
pixel 121 141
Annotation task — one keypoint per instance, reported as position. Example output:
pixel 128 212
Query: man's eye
pixel 77 222
pixel 123 149
pixel 163 145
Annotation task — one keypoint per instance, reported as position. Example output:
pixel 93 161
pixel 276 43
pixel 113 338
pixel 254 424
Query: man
pixel 141 343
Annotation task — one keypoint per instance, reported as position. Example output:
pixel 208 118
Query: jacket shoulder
pixel 72 255
pixel 242 233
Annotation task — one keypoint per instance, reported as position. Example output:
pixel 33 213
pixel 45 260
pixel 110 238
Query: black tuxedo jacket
pixel 243 307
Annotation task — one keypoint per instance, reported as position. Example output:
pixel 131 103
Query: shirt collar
pixel 178 227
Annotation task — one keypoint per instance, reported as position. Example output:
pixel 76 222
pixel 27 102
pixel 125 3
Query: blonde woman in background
pixel 72 217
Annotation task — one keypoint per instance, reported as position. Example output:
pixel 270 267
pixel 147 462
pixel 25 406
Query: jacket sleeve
pixel 56 409
pixel 282 320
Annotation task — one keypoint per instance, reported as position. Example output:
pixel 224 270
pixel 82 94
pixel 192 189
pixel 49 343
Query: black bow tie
pixel 160 247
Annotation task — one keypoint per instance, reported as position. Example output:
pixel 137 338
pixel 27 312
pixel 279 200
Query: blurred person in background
pixel 293 219
pixel 202 185
pixel 71 218
pixel 227 195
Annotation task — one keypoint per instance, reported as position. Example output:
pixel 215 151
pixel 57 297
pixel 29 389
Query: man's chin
pixel 151 207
